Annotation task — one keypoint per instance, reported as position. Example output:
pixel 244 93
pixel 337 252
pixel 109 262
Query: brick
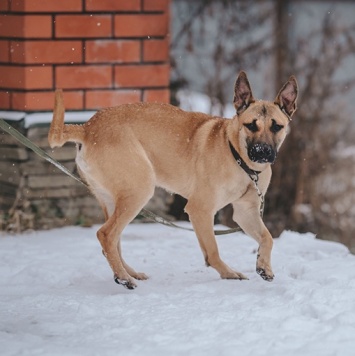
pixel 13 153
pixel 142 76
pixel 83 26
pixel 141 25
pixel 46 6
pixel 82 77
pixel 36 52
pixel 38 78
pixel 10 173
pixel 113 51
pixel 42 167
pixel 97 99
pixel 62 154
pixel 11 77
pixel 39 136
pixel 48 193
pixel 67 153
pixel 26 77
pixel 39 101
pixel 156 5
pixel 73 100
pixel 4 51
pixel 31 101
pixel 8 140
pixel 37 26
pixel 50 181
pixel 4 5
pixel 7 190
pixel 113 5
pixel 37 132
pixel 11 25
pixel 7 193
pixel 5 97
pixel 155 50
pixel 157 96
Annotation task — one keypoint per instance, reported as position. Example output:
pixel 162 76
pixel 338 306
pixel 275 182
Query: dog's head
pixel 262 125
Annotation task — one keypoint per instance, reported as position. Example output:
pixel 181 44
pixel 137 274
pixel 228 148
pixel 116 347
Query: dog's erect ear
pixel 243 96
pixel 287 97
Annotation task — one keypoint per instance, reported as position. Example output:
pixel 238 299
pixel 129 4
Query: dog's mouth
pixel 261 153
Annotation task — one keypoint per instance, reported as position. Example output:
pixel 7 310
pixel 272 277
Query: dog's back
pixel 159 136
pixel 141 118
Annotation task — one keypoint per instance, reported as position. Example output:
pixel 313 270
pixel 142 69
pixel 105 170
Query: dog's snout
pixel 262 153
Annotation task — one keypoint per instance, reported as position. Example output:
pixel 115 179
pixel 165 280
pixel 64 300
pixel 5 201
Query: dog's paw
pixel 265 276
pixel 233 275
pixel 241 276
pixel 136 275
pixel 140 276
pixel 125 282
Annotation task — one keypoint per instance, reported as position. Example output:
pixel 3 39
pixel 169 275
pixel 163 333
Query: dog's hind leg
pixel 130 270
pixel 202 222
pixel 126 209
pixel 137 275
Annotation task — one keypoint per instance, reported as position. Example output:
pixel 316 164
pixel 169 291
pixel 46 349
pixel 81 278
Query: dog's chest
pixel 229 188
pixel 235 190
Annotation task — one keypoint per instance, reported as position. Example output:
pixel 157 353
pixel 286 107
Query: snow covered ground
pixel 57 297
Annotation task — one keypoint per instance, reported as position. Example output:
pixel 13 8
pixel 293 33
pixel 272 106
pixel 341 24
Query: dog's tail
pixel 60 133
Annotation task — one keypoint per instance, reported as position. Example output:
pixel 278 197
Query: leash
pixel 144 212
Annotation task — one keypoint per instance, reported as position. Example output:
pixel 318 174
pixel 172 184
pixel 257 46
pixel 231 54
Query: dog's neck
pixel 241 162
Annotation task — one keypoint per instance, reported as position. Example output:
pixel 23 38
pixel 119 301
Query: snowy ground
pixel 57 297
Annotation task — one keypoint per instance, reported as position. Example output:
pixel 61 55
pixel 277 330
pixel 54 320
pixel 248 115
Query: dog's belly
pixel 176 185
pixel 214 188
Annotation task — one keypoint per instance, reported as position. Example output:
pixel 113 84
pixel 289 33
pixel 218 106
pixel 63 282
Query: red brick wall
pixel 101 52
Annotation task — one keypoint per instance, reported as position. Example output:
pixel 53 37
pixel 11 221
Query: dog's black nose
pixel 261 153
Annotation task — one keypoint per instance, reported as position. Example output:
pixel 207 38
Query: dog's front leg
pixel 202 222
pixel 246 215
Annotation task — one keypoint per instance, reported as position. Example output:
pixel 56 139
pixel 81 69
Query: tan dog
pixel 123 152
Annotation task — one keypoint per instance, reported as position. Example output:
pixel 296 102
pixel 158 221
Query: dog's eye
pixel 275 127
pixel 253 127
